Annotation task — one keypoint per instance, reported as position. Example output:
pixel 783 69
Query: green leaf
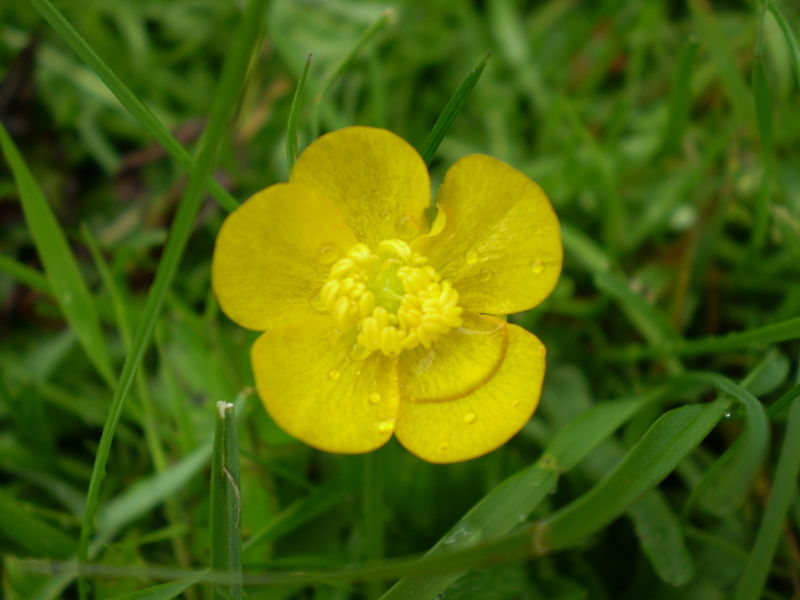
pixel 784 489
pixel 25 274
pixel 225 531
pixel 297 101
pixel 33 534
pixel 725 485
pixel 61 269
pixel 224 102
pixel 165 591
pixel 451 110
pixel 653 457
pixel 788 34
pixel 127 98
pixel 680 97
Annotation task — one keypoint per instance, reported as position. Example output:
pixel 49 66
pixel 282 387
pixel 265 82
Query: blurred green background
pixel 668 139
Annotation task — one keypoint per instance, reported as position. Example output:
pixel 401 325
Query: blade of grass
pixel 225 517
pixel 340 67
pixel 224 102
pixel 33 534
pixel 653 457
pixel 511 501
pixel 297 102
pixel 61 268
pixel 25 275
pixel 451 110
pixel 165 591
pixel 723 488
pixel 769 334
pixel 788 34
pixel 784 488
pixel 127 98
pixel 680 98
pixel 763 104
pixel 784 401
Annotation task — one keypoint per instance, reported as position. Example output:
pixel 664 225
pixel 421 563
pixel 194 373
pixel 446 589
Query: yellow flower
pixel 376 323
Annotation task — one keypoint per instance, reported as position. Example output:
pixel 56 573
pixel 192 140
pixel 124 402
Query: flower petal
pixel 273 254
pixel 444 432
pixel 314 391
pixel 501 244
pixel 378 181
pixel 457 363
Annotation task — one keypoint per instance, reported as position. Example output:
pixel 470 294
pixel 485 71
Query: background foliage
pixel 666 135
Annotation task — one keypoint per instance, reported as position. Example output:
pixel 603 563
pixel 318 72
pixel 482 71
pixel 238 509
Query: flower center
pixel 392 298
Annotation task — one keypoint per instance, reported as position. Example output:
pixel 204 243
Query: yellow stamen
pixel 392 298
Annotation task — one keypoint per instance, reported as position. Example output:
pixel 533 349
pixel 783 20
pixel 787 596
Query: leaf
pixel 33 534
pixel 60 267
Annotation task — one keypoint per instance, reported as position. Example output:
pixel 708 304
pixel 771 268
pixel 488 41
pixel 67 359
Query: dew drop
pixel 317 303
pixel 405 228
pixel 358 352
pixel 385 215
pixel 443 446
pixel 471 257
pixel 516 402
pixel 386 425
pixel 374 398
pixel 463 535
pixel 328 253
pixel 486 275
pixel 469 418
pixel 537 266
pixel 334 374
pixel 728 413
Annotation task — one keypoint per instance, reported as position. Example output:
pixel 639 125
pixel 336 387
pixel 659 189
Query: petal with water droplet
pixel 437 432
pixel 317 393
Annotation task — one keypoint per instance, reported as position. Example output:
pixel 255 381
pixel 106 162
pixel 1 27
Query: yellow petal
pixel 378 181
pixel 444 432
pixel 501 243
pixel 273 255
pixel 317 393
pixel 457 363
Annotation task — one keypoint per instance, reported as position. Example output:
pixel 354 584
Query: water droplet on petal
pixel 358 352
pixel 471 257
pixel 516 402
pixel 444 446
pixel 328 253
pixel 405 228
pixel 333 374
pixel 537 266
pixel 386 425
pixel 317 303
pixel 486 275
pixel 374 398
pixel 385 215
pixel 469 418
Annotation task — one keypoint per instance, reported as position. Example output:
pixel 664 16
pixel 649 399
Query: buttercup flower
pixel 377 323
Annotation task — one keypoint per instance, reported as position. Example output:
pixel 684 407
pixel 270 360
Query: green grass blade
pixel 509 503
pixel 340 67
pixel 33 534
pixel 297 102
pixel 788 34
pixel 784 401
pixel 225 519
pixel 784 488
pixel 61 269
pixel 143 496
pixel 726 483
pixel 165 591
pixel 653 457
pixel 25 275
pixel 127 98
pixel 768 334
pixel 451 110
pixel 224 102
pixel 680 98
pixel 763 104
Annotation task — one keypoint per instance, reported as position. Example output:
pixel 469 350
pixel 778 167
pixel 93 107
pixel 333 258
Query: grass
pixel 663 460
